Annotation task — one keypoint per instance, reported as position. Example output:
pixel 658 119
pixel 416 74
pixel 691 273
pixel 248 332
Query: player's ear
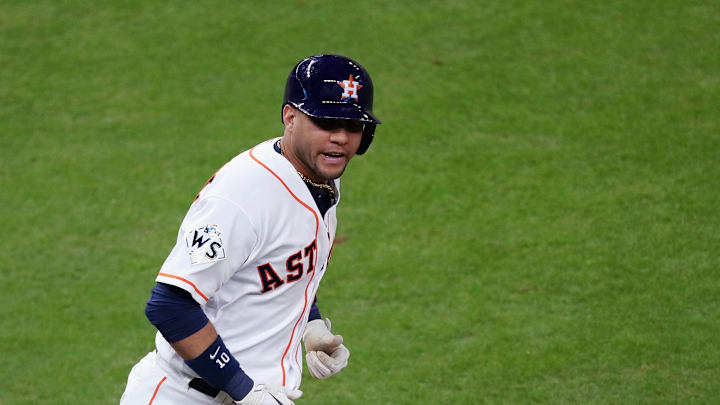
pixel 288 114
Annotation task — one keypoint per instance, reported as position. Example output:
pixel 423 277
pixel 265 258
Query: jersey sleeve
pixel 215 239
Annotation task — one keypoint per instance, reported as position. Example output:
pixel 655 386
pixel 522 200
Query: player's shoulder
pixel 247 176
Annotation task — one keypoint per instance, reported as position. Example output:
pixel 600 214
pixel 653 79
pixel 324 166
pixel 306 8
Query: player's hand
pixel 262 394
pixel 322 365
pixel 325 353
pixel 317 337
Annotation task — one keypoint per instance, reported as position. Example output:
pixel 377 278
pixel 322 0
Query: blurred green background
pixel 536 221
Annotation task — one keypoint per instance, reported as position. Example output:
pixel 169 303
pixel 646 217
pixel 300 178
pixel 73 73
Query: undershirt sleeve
pixel 174 312
pixel 314 311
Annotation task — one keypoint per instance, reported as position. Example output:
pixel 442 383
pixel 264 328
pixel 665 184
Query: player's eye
pixel 354 126
pixel 331 124
pixel 327 124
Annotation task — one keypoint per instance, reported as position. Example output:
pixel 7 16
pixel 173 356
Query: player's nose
pixel 339 136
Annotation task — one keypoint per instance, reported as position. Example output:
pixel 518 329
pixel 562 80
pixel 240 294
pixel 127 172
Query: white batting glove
pixel 293 394
pixel 325 353
pixel 262 394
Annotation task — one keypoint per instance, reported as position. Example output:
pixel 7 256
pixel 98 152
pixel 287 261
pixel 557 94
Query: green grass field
pixel 538 220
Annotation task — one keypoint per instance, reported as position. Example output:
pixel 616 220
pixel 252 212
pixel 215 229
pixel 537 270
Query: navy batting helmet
pixel 333 86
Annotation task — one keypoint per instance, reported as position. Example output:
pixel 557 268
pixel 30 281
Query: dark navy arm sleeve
pixel 314 312
pixel 177 315
pixel 174 312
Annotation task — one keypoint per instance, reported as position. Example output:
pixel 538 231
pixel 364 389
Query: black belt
pixel 202 386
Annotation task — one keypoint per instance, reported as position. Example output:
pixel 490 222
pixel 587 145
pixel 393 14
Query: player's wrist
pixel 239 385
pixel 314 312
pixel 219 368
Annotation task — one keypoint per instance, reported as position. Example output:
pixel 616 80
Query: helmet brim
pixel 336 110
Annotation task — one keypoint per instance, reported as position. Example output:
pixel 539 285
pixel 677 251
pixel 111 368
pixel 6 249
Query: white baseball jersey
pixel 252 250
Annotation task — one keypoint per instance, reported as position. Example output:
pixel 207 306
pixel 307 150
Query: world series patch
pixel 204 245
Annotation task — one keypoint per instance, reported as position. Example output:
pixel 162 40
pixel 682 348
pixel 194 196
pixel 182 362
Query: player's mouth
pixel 333 156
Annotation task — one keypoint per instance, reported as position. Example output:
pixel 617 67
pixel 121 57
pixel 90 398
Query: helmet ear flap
pixel 367 138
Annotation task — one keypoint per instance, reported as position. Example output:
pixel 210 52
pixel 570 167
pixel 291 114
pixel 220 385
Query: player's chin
pixel 331 169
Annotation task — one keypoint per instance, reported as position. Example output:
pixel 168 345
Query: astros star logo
pixel 350 89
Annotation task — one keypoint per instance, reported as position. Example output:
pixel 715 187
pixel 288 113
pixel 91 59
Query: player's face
pixel 323 147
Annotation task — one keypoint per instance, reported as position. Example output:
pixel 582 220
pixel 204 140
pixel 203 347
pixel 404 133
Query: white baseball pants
pixel 148 385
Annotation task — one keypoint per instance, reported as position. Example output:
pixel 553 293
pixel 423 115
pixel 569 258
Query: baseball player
pixel 236 296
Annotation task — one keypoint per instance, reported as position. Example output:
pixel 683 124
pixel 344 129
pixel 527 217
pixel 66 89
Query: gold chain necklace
pixel 305 179
pixel 312 183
